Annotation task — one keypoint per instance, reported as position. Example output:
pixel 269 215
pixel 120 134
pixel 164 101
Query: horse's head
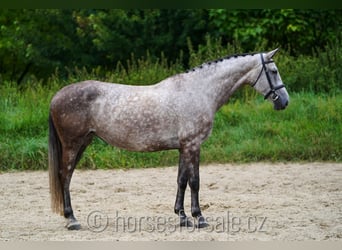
pixel 269 82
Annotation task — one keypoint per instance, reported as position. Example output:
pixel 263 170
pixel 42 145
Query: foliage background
pixel 36 42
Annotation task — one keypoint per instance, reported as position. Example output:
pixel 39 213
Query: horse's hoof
pixel 201 222
pixel 73 225
pixel 185 222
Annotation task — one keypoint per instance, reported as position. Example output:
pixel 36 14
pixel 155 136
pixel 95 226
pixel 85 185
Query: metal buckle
pixel 275 97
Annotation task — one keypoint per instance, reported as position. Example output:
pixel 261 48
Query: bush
pixel 318 74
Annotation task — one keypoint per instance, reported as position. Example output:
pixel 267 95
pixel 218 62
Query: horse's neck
pixel 218 81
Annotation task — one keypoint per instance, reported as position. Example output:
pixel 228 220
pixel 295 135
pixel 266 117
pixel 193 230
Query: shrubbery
pixel 37 41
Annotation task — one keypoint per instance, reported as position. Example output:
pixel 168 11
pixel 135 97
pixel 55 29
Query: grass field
pixel 245 130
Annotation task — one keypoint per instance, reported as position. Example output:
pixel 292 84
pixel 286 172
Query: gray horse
pixel 176 113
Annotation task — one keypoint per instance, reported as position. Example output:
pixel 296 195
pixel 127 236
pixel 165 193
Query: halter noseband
pixel 272 88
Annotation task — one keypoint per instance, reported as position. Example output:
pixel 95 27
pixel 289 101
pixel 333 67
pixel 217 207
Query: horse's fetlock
pixel 196 213
pixel 68 212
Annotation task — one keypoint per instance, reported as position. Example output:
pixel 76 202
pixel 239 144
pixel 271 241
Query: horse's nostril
pixel 286 103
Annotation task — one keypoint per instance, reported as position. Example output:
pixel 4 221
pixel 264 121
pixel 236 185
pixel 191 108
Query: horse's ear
pixel 270 54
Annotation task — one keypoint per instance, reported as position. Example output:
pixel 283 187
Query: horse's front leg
pixel 182 181
pixel 194 183
pixel 189 172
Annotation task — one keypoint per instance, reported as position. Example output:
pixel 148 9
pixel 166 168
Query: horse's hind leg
pixel 66 171
pixel 71 156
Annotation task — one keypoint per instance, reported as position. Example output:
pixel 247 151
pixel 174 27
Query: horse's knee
pixel 182 182
pixel 194 184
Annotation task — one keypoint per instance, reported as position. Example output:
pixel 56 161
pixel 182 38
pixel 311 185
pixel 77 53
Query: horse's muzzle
pixel 280 103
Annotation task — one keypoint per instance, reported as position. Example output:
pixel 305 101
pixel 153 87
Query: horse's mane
pixel 222 59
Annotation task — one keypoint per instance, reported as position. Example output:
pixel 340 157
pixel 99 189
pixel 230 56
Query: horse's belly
pixel 143 141
pixel 135 132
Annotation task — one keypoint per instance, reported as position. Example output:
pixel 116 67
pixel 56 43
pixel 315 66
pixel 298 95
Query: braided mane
pixel 222 59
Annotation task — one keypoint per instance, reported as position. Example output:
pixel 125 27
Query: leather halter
pixel 272 88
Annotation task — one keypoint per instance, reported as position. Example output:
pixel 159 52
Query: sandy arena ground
pixel 242 202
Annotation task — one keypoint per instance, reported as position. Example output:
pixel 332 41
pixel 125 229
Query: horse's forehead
pixel 272 65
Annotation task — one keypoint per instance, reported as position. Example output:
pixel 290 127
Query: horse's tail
pixel 55 154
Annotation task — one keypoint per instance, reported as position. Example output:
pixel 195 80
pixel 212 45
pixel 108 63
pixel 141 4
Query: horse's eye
pixel 275 71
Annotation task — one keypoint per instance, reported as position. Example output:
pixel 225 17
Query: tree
pixel 35 41
pixel 116 34
pixel 302 31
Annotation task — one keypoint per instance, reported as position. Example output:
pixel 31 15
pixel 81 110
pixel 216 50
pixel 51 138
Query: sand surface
pixel 260 201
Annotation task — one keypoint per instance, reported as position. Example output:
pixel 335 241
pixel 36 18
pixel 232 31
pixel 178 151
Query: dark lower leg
pixel 195 208
pixel 179 209
pixel 66 172
pixel 71 153
pixel 182 181
pixel 68 212
pixel 72 223
pixel 194 183
pixel 179 205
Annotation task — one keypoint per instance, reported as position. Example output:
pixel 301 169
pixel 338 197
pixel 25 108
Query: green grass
pixel 310 129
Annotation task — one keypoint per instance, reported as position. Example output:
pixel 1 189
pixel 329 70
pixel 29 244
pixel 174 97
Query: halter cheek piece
pixel 273 89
